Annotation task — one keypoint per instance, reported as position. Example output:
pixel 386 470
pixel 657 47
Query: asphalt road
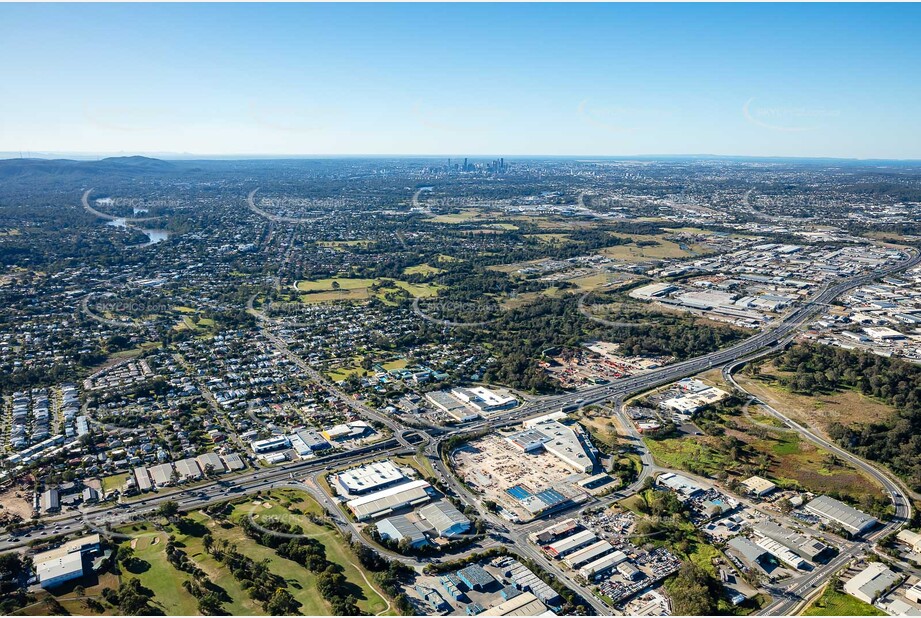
pixel 897 493
pixel 261 480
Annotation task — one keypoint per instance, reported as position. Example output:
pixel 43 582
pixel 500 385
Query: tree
pixel 283 604
pixel 693 591
pixel 786 507
pixel 168 509
pixel 210 605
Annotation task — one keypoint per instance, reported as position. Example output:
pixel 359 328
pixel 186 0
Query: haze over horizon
pixel 822 81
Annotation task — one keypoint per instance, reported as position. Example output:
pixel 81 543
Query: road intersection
pixel 306 473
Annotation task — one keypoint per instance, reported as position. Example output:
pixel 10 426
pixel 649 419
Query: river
pixel 153 236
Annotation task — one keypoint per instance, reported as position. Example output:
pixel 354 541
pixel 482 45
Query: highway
pixel 285 474
pixel 892 486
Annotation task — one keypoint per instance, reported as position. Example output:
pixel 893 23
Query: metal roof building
pixel 210 459
pixel 572 543
pixel 162 474
pixel 56 571
pixel 475 577
pixel 872 582
pixel 850 519
pixel 588 554
pixel 399 528
pixel 803 545
pixel 758 486
pixel 369 477
pixel 525 604
pixel 188 469
pixel 750 552
pixel 142 478
pixel 233 462
pixel 445 518
pixel 50 501
pixel 524 578
pixel 389 500
pixel 602 565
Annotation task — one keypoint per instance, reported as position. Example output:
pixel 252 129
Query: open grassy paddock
pixel 338 289
pixel 835 603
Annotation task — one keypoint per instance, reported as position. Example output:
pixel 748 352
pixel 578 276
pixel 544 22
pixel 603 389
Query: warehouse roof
pixel 751 552
pixel 525 604
pixel 387 500
pixel 847 517
pixel 443 515
pixel 61 567
pixel 872 581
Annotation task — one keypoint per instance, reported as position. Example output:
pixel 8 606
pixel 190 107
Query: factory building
pixel 847 517
pixel 564 547
pixel 271 444
pixel 804 546
pixel 142 478
pixel 758 486
pixel 210 459
pixel 398 527
pixel 599 567
pixel 387 501
pixel 783 553
pixel 910 538
pixel 525 604
pixel 188 470
pixel 588 554
pixel 445 519
pixel 564 442
pixel 872 582
pixel 64 563
pixel 369 477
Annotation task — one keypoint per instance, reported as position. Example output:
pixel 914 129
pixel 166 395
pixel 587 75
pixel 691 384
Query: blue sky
pixel 512 79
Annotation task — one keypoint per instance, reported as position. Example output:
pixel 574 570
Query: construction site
pixel 528 473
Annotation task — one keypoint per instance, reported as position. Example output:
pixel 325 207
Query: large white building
pixel 369 477
pixel 910 538
pixel 484 400
pixel 64 563
pixel 872 582
pixel 557 439
pixel 387 501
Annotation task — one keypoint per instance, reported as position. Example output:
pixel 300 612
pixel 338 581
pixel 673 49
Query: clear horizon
pixel 589 80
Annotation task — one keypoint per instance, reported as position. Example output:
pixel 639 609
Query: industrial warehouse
pixel 833 511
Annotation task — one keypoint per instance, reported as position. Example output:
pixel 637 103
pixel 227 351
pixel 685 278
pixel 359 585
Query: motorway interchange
pixel 304 474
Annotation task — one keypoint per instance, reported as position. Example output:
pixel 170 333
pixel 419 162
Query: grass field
pixel 420 463
pixel 343 373
pixel 685 454
pixel 295 507
pixel 327 284
pixel 464 216
pixel 591 282
pixel 116 481
pixel 399 363
pixel 422 269
pixel 603 429
pixel 665 249
pixel 834 603
pixel 369 600
pixel 323 290
pixel 550 239
pixel 846 407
